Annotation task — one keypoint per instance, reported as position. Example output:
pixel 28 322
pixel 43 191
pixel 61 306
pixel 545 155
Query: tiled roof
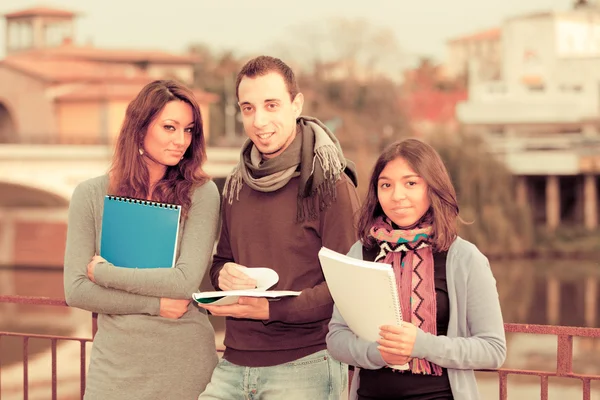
pixel 55 70
pixel 76 63
pixel 489 34
pixel 68 51
pixel 96 90
pixel 113 91
pixel 41 11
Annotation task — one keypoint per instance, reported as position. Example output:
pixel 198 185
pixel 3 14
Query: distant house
pixel 54 91
pixel 485 47
pixel 541 114
pixel 429 99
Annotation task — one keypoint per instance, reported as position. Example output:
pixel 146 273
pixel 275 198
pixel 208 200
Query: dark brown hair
pixel 263 65
pixel 129 174
pixel 426 162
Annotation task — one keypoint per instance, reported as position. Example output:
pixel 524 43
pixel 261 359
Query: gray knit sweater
pixel 475 338
pixel 136 353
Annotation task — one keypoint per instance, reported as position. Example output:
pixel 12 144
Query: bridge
pixel 57 169
pixel 557 175
pixel 36 183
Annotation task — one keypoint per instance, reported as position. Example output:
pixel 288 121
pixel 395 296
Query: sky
pixel 250 27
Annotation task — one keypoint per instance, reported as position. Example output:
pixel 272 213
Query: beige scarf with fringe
pixel 314 155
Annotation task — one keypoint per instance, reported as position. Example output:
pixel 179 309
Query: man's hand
pixel 92 264
pixel 232 277
pixel 397 342
pixel 246 307
pixel 173 308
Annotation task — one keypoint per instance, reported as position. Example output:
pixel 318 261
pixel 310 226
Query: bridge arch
pixel 33 227
pixel 8 127
pixel 14 195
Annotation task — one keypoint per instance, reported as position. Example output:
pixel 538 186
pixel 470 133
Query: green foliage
pixel 486 192
pixel 570 241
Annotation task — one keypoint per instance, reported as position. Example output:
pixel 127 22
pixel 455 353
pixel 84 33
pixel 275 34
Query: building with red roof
pixel 429 98
pixel 484 47
pixel 54 91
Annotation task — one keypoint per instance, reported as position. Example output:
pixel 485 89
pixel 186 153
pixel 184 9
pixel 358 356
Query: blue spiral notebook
pixel 139 233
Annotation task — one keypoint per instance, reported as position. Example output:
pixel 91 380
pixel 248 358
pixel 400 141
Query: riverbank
pixel 569 243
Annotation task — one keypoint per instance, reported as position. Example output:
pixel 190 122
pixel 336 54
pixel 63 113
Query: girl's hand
pixel 92 264
pixel 173 308
pixel 397 342
pixel 392 359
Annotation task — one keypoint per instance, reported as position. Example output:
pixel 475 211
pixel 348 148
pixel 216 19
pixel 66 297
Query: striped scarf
pixel 411 256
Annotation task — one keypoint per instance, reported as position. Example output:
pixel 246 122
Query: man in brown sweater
pixel 292 192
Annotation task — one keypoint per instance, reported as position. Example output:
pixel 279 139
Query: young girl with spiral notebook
pixel 452 322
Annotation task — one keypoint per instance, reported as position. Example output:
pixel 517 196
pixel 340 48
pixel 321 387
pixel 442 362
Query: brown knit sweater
pixel 260 230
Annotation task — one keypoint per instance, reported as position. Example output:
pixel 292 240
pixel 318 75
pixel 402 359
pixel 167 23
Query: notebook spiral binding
pixel 396 296
pixel 144 202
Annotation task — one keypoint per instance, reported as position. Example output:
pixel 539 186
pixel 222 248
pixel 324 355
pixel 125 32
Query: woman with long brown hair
pixel 151 342
pixel 452 323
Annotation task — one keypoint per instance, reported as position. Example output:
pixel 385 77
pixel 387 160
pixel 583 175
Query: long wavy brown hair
pixel 426 162
pixel 129 174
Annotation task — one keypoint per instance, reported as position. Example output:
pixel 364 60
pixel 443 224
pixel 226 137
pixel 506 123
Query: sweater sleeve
pixel 197 246
pixel 486 345
pixel 223 254
pixel 80 292
pixel 338 232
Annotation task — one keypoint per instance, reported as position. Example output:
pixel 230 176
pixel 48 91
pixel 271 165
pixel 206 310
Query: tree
pixel 496 223
pixel 216 73
pixel 362 50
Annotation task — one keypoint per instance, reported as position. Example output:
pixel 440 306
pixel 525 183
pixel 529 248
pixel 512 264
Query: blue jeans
pixel 317 376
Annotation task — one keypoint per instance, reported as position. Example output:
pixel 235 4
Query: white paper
pixel 265 278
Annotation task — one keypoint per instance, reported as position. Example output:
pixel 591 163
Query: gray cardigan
pixel 136 353
pixel 475 336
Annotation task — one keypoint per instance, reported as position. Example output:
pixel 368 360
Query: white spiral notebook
pixel 364 293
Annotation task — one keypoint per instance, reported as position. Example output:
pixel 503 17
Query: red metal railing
pixel 564 359
pixel 45 301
